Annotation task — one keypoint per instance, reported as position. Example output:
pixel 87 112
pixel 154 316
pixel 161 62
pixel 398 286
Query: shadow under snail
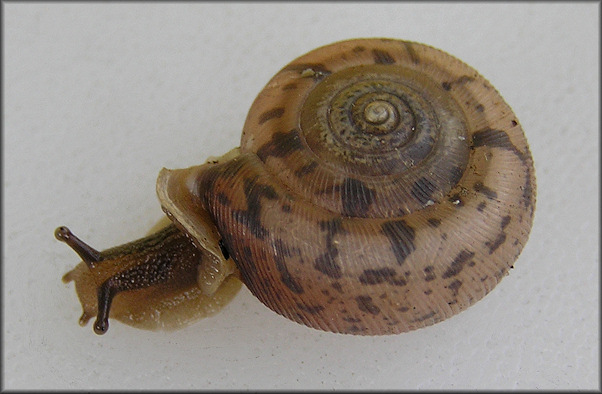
pixel 380 186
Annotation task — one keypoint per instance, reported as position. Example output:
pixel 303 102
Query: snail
pixel 380 186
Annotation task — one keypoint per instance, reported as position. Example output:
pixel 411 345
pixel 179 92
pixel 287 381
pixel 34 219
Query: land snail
pixel 380 186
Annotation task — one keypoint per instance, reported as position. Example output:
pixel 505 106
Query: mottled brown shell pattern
pixel 381 186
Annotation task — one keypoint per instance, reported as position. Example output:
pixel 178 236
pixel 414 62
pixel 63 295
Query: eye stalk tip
pixel 62 233
pixel 101 327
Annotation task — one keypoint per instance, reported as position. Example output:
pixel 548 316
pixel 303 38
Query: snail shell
pixel 380 186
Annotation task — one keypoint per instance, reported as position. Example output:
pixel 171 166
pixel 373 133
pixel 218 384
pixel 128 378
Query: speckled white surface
pixel 98 97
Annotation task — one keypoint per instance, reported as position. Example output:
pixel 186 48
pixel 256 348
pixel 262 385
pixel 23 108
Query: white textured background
pixel 99 97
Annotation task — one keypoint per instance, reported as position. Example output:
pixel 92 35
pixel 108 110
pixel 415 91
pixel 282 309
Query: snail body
pixel 380 186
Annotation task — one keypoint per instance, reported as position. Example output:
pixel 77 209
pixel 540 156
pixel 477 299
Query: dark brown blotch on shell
pixel 447 85
pixel 337 286
pixel 496 243
pixel 274 113
pixel 429 273
pixel 327 262
pixel 434 222
pixel 290 86
pixel 282 252
pixel 488 192
pixel 382 57
pixel 458 263
pixel 282 144
pixel 424 317
pixel 365 304
pixel 456 175
pixel 377 276
pixel 454 287
pixel 306 169
pixel 251 217
pixel 401 236
pixel 311 309
pixel 356 197
pixel 496 139
pixel 423 190
pixel 223 199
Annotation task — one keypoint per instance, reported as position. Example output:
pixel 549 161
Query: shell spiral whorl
pixel 382 186
pixel 376 126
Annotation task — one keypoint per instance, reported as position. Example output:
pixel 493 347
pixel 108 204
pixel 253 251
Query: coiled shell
pixel 381 186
